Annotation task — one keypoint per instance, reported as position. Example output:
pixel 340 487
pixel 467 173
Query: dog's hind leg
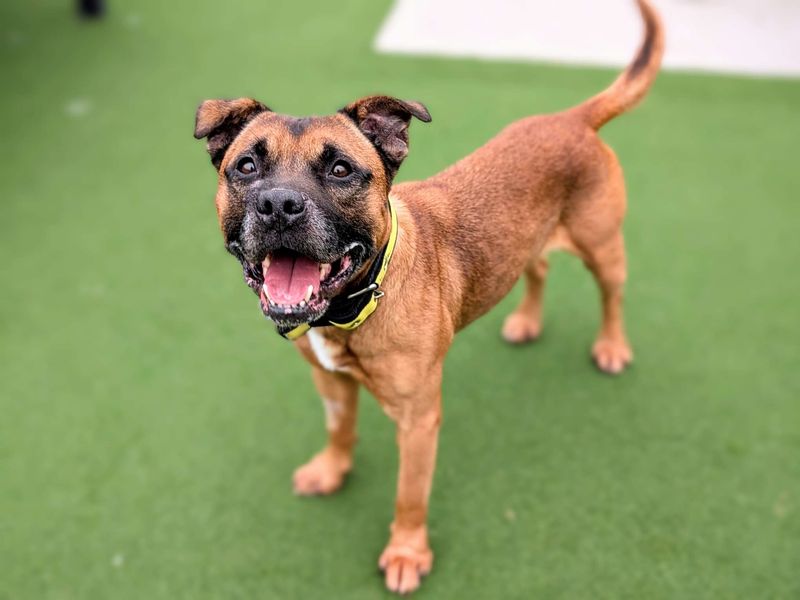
pixel 594 226
pixel 326 471
pixel 525 323
pixel 611 351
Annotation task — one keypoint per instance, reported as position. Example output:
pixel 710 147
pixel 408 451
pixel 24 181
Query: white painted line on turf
pixel 759 37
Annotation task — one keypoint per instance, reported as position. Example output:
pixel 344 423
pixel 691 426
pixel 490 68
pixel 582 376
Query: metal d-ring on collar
pixel 372 287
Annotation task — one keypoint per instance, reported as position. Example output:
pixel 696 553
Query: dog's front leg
pixel 326 471
pixel 417 414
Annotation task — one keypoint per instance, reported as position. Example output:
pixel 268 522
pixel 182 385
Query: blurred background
pixel 150 418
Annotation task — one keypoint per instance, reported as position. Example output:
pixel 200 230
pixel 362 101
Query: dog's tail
pixel 632 85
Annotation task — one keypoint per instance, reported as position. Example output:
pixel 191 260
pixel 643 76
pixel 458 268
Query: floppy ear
pixel 221 121
pixel 384 121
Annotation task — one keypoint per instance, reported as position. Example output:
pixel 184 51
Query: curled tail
pixel 632 85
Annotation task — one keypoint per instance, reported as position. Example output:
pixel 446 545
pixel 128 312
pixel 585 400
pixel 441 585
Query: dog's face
pixel 302 201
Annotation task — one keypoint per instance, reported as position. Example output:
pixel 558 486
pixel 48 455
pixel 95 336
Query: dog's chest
pixel 330 354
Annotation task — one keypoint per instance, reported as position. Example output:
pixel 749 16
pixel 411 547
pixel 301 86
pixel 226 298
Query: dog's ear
pixel 221 121
pixel 384 121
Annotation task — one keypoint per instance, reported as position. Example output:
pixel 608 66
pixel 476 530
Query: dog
pixel 372 280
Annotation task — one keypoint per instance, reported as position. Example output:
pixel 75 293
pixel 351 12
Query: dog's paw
pixel 404 567
pixel 520 328
pixel 323 474
pixel 612 355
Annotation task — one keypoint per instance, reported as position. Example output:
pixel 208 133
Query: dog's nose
pixel 281 205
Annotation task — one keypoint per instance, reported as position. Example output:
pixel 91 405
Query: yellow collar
pixel 348 311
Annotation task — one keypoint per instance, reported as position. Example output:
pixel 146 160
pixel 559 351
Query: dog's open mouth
pixel 295 288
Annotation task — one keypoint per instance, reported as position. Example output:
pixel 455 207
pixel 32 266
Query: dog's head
pixel 302 201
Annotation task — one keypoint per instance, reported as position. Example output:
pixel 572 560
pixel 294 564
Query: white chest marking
pixel 322 350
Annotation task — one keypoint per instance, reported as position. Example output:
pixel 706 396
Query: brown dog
pixel 308 208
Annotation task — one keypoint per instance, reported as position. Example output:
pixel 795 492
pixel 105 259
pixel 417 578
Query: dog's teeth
pixel 345 262
pixel 302 304
pixel 266 292
pixel 309 291
pixel 324 270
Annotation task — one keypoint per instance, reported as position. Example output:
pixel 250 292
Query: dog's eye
pixel 341 169
pixel 246 166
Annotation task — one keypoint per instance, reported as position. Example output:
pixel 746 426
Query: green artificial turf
pixel 150 419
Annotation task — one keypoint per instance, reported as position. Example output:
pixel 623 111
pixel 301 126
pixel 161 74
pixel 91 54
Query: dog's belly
pixel 560 240
pixel 499 265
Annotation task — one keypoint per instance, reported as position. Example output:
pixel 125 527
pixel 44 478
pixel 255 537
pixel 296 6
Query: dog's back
pixel 529 187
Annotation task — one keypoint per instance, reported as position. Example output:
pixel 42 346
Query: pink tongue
pixel 288 277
